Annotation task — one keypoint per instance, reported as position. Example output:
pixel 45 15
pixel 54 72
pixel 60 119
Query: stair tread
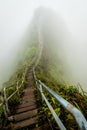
pixel 25 123
pixel 26 104
pixel 27 97
pixel 28 101
pixel 25 115
pixel 26 109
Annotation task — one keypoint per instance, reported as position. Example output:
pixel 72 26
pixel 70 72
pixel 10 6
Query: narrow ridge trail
pixel 27 116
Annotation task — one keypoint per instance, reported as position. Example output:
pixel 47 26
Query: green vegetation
pixel 46 71
pixel 53 73
pixel 28 54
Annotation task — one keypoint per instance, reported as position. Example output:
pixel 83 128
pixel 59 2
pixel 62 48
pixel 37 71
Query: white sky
pixel 15 16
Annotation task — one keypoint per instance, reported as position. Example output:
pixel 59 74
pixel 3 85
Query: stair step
pixel 28 101
pixel 29 90
pixel 27 97
pixel 27 104
pixel 25 115
pixel 26 123
pixel 24 109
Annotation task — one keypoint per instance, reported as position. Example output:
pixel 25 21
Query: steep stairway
pixel 28 115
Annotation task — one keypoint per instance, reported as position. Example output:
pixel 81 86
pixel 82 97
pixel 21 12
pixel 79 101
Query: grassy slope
pixel 51 71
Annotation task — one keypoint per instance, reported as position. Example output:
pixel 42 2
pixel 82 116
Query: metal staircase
pixel 27 115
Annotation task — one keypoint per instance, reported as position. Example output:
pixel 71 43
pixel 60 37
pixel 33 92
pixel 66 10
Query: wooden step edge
pixel 23 116
pixel 25 123
pixel 26 105
pixel 25 109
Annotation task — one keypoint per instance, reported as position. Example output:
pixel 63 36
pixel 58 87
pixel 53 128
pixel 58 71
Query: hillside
pixel 52 67
pixel 54 71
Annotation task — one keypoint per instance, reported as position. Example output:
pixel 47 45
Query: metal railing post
pixel 5 106
pixel 18 89
pixel 41 93
pixel 5 112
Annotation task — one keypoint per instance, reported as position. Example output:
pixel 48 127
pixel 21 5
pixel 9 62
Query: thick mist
pixel 14 24
pixel 66 24
pixel 70 50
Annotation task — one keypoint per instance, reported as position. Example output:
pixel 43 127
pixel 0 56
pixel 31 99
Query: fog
pixel 15 18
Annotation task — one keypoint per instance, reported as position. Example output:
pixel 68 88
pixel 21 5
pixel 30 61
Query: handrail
pixel 4 103
pixel 57 119
pixel 80 119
